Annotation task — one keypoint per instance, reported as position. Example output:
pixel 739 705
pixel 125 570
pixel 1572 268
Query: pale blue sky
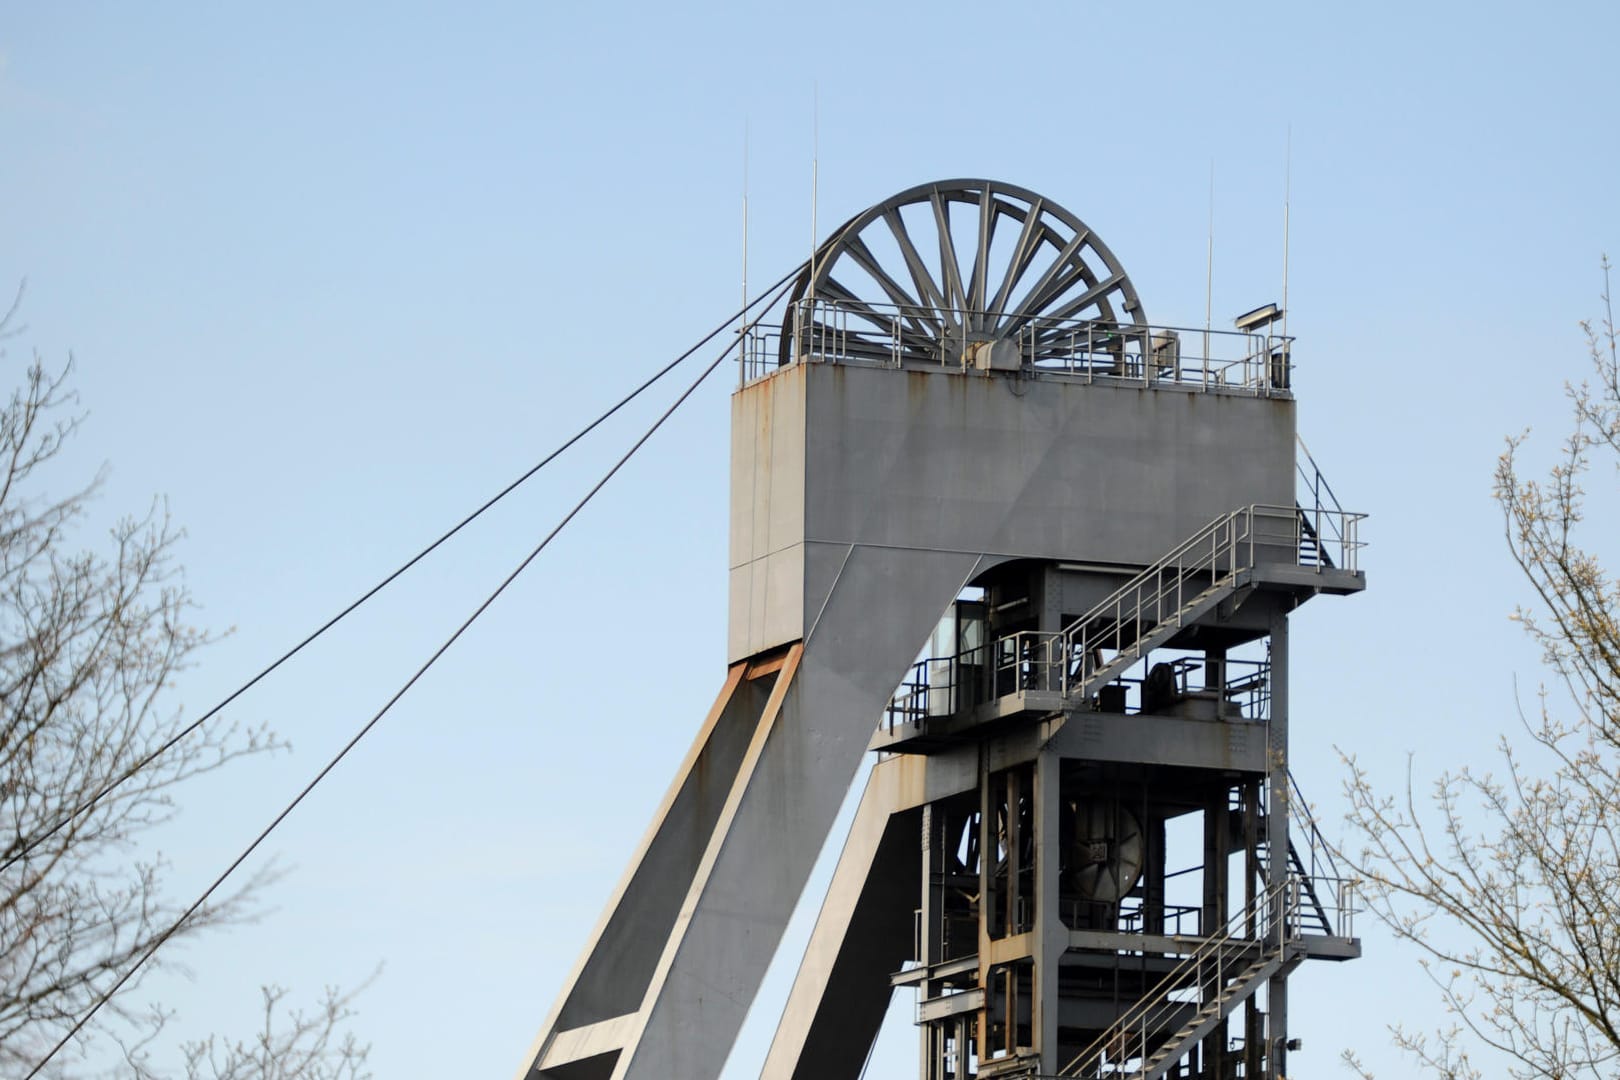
pixel 333 276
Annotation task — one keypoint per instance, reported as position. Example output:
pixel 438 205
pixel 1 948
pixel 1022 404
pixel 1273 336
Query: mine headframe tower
pixel 1080 843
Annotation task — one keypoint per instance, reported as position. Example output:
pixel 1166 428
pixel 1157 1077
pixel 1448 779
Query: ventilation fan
pixel 1105 851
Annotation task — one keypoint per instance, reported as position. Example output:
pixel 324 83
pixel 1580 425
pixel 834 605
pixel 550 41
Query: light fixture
pixel 1260 316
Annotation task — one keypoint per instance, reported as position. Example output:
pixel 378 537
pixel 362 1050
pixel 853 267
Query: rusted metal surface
pixel 966 424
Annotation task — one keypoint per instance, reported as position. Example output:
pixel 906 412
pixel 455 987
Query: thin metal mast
pixel 742 322
pixel 1288 181
pixel 815 168
pixel 1209 264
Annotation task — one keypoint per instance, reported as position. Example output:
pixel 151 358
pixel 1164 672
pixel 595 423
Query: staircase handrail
pixel 1318 845
pixel 1316 481
pixel 1338 917
pixel 1275 911
pixel 1205 551
pixel 1323 512
pixel 1222 549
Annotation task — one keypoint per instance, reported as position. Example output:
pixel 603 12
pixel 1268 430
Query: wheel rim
pixel 933 272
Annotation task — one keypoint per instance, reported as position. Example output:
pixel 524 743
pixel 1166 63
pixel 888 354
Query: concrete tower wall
pixel 869 486
pixel 825 456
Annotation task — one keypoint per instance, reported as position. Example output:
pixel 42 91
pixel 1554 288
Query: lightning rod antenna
pixel 742 321
pixel 815 170
pixel 1288 183
pixel 1209 265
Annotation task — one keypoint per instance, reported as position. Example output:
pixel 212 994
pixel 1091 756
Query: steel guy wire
pixel 175 926
pixel 21 848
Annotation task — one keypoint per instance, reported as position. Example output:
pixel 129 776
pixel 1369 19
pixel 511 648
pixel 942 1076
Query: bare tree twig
pixel 90 638
pixel 1508 885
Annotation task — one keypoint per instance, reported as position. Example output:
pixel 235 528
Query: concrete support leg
pixel 739 868
pixel 863 934
pixel 593 1016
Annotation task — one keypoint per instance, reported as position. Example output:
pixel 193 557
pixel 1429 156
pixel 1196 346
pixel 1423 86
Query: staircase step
pixel 1153 638
pixel 1157 1064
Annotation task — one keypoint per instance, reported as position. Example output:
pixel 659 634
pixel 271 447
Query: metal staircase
pixel 1315 862
pixel 1313 913
pixel 1312 551
pixel 1224 972
pixel 1321 516
pixel 1150 609
pixel 1158 603
pixel 1313 866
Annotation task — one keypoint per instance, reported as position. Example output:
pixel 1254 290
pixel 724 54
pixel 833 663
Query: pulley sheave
pixel 970 271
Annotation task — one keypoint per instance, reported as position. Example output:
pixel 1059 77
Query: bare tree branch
pixel 89 641
pixel 1508 884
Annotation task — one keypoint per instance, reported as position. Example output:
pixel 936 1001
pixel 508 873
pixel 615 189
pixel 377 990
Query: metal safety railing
pixel 1162 595
pixel 1205 986
pixel 1332 894
pixel 1328 904
pixel 825 330
pixel 939 686
pixel 1214 553
pixel 1253 363
pixel 1210 977
pixel 1236 688
pixel 761 353
pixel 1318 505
pixel 1113 635
pixel 1176 920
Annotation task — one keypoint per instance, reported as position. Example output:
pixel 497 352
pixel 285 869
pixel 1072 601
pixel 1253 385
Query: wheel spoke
pixel 1039 306
pixel 989 213
pixel 1066 340
pixel 949 267
pixel 1038 295
pixel 1091 296
pixel 834 291
pixel 909 305
pixel 839 343
pixel 891 326
pixel 919 271
pixel 1028 244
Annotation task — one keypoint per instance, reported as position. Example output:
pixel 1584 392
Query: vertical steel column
pixel 930 1036
pixel 1253 1018
pixel 1217 909
pixel 1016 902
pixel 1051 936
pixel 988 841
pixel 1277 799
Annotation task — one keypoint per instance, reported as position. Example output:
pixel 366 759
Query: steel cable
pixel 174 927
pixel 20 848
